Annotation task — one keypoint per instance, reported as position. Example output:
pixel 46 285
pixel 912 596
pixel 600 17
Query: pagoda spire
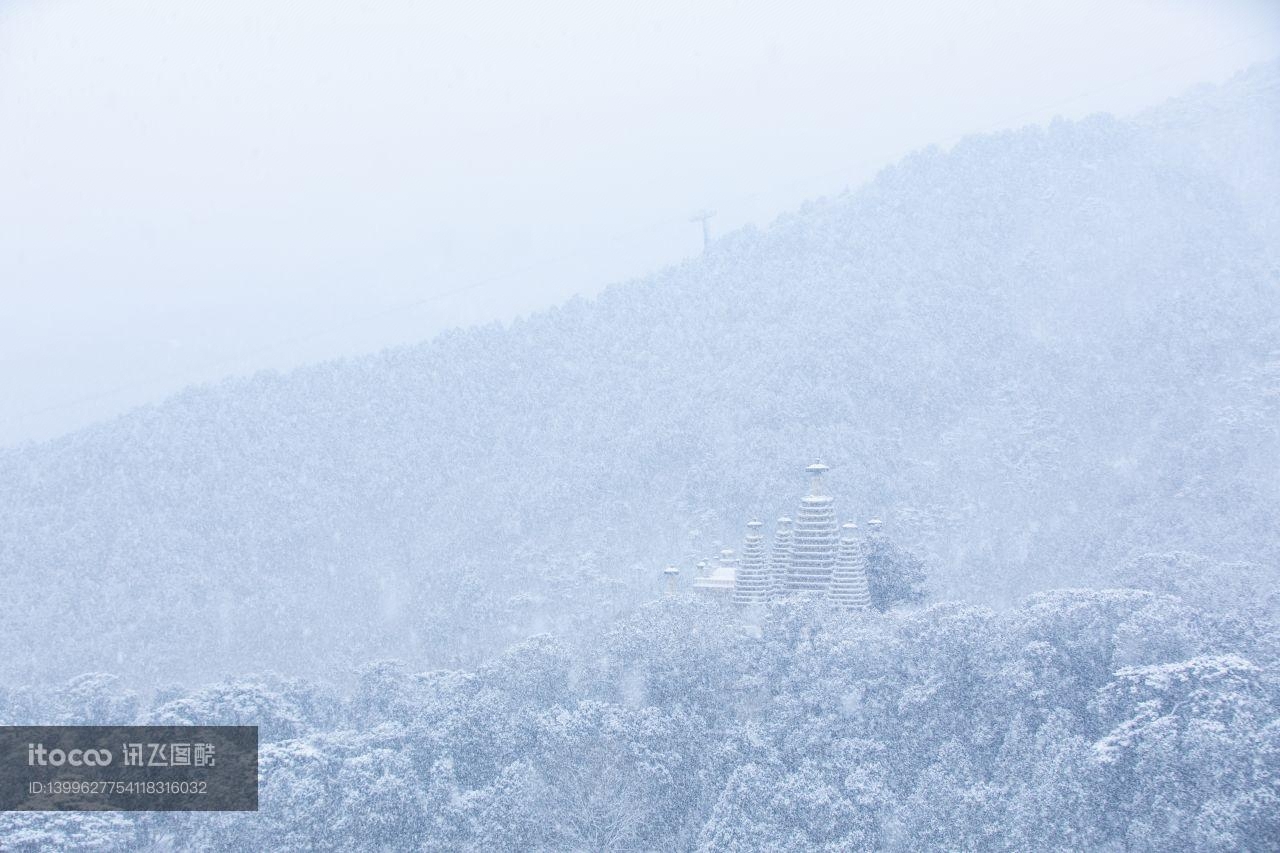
pixel 753 583
pixel 849 580
pixel 816 484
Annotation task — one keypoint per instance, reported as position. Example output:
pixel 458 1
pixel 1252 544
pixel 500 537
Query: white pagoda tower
pixel 780 558
pixel 813 550
pixel 849 580
pixel 672 574
pixel 754 584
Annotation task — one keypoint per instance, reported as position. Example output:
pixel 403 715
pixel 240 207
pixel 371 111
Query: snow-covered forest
pixel 1081 719
pixel 1050 361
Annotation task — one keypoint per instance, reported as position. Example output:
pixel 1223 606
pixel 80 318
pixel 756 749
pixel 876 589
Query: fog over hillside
pixel 939 515
pixel 1036 356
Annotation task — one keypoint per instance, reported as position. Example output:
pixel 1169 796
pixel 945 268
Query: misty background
pixel 196 190
pixel 473 425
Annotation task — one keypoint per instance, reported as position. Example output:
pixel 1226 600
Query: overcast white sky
pixel 191 190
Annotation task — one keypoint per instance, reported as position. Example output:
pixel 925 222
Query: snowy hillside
pixel 1036 356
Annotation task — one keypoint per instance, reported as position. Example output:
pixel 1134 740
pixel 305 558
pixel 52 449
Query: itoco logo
pixel 38 755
